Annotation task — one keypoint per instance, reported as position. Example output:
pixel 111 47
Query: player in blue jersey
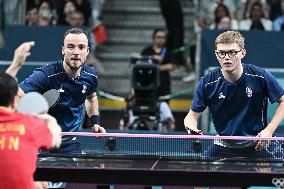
pixel 73 79
pixel 237 96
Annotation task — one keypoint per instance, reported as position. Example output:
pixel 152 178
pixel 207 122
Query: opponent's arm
pixel 190 121
pixel 92 109
pixel 20 56
pixel 54 129
pixel 20 92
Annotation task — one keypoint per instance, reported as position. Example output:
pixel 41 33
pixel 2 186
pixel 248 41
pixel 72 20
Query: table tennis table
pixel 106 167
pixel 157 172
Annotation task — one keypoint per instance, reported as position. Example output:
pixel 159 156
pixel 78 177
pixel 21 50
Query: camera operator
pixel 161 56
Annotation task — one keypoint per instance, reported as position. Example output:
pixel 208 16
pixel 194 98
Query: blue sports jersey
pixel 73 92
pixel 240 108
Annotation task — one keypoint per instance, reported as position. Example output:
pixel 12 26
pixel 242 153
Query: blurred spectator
pixel 46 14
pixel 223 19
pixel 206 9
pixel 75 18
pixel 172 13
pixel 275 9
pixel 84 6
pixel 245 9
pixel 256 19
pixel 278 24
pixel 32 15
pixel 163 57
pixel 64 10
pixel 226 23
pixel 257 25
pixel 66 7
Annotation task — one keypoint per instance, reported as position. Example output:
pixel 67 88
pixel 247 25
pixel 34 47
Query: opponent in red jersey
pixel 21 136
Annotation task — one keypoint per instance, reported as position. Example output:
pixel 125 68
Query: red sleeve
pixel 41 133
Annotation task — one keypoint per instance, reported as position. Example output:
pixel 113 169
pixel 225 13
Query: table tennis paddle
pixel 52 97
pixel 32 103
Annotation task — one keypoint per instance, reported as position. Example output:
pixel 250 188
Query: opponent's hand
pixel 22 52
pixel 261 145
pixel 54 128
pixel 20 56
pixel 40 184
pixel 98 129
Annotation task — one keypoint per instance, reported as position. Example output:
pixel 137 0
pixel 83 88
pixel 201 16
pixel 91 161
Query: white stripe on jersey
pixel 212 81
pixel 255 75
pixel 90 74
pixel 55 74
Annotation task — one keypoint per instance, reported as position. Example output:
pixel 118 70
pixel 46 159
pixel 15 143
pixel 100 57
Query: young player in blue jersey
pixel 237 96
pixel 75 81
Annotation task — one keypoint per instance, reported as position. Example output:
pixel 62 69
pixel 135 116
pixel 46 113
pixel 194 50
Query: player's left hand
pixel 40 184
pixel 98 129
pixel 261 145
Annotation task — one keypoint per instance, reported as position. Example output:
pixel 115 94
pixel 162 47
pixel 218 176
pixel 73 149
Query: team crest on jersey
pixel 84 89
pixel 221 95
pixel 61 90
pixel 249 92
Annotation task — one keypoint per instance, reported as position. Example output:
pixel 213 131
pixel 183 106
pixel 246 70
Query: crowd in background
pixel 52 12
pixel 267 15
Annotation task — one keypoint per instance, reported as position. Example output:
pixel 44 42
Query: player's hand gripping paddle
pixel 192 132
pixel 32 103
pixel 52 97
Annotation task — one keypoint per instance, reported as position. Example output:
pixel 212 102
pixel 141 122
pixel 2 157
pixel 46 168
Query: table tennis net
pixel 182 147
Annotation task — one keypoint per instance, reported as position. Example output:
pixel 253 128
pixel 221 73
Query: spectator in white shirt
pixel 256 19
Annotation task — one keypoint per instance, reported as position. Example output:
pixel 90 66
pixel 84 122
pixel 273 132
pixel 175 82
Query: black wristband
pixel 94 119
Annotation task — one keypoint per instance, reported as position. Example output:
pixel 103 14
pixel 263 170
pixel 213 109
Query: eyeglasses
pixel 222 54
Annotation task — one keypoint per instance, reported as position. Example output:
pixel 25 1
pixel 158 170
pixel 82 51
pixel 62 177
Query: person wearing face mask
pixel 46 14
pixel 76 83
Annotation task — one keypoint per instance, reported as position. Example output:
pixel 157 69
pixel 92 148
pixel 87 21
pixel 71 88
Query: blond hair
pixel 230 37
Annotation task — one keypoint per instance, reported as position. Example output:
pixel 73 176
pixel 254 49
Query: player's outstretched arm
pixel 20 56
pixel 20 92
pixel 54 128
pixel 92 108
pixel 190 122
pixel 278 116
pixel 273 125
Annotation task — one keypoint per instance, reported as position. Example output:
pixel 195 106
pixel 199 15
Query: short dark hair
pixel 9 89
pixel 158 30
pixel 75 31
pixel 256 4
pixel 227 12
pixel 31 7
pixel 48 2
